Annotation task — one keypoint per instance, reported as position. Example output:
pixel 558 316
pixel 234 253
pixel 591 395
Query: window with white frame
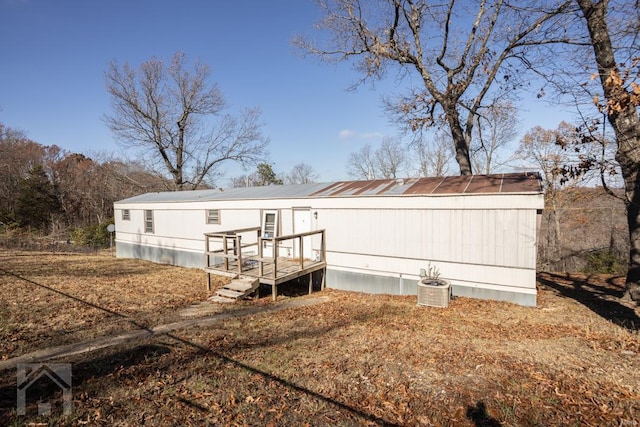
pixel 270 224
pixel 213 216
pixel 148 221
pixel 126 215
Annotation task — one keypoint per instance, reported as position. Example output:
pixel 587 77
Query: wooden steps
pixel 238 288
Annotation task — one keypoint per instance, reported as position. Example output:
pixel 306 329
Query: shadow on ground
pixel 296 287
pixel 603 297
pixel 94 371
pixel 478 414
pixel 83 372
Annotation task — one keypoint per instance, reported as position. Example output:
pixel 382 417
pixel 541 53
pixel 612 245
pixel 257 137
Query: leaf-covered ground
pixel 60 299
pixel 355 359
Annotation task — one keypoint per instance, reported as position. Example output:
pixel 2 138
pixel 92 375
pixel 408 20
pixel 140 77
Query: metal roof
pixel 449 185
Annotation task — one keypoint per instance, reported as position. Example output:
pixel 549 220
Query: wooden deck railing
pixel 235 247
pixel 230 240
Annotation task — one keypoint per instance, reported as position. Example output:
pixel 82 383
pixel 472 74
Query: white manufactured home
pixel 372 236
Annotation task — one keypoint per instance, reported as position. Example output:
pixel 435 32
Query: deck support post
pixel 261 262
pixel 301 250
pixel 274 291
pixel 275 244
pixel 208 281
pixel 310 283
pixel 237 251
pixel 225 249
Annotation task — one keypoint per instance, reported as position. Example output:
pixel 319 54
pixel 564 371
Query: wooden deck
pixel 241 253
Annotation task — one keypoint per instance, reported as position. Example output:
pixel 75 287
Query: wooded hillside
pixel 587 232
pixel 52 192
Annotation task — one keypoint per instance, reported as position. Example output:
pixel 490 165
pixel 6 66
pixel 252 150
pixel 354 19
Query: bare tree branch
pixel 457 61
pixel 172 114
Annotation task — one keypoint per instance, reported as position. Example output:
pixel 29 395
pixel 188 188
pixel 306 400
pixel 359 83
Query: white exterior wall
pixel 495 249
pixel 478 242
pixel 181 226
pixel 475 241
pixel 176 225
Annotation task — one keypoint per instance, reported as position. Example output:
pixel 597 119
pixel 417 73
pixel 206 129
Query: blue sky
pixel 54 54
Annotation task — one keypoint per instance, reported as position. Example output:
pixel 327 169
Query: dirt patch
pixel 362 359
pixel 204 308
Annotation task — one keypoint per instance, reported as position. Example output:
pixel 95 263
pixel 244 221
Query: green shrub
pixel 92 235
pixel 604 262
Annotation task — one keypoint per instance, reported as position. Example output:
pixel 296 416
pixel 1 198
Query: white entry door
pixel 302 224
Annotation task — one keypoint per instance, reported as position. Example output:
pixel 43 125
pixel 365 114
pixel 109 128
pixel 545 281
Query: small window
pixel 148 221
pixel 270 224
pixel 126 216
pixel 213 216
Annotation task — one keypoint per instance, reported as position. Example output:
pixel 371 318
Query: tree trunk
pixel 459 141
pixel 623 117
pixel 633 219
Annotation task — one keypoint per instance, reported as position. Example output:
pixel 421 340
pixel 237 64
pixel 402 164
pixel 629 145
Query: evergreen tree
pixel 37 200
pixel 266 175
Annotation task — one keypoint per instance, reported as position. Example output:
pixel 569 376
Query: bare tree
pixel 242 181
pixel 542 149
pixel 391 158
pixel 128 178
pixel 301 173
pixel 362 164
pixel 433 154
pixel 456 60
pixel 385 162
pixel 496 127
pixel 622 99
pixel 78 188
pixel 176 118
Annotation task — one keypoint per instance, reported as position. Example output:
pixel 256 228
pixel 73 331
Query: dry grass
pixel 59 299
pixel 354 360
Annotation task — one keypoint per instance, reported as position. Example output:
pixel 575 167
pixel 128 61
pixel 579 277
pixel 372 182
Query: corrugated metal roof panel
pixel 349 188
pixel 378 186
pixel 424 185
pixel 173 196
pixel 474 184
pixel 399 186
pixel 452 185
pixel 521 182
pixel 484 184
pixel 271 191
pixel 365 188
pixel 326 190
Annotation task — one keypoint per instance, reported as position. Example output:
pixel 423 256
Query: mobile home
pixel 479 231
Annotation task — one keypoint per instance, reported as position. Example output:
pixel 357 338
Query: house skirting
pixel 171 256
pixel 336 279
pixel 377 284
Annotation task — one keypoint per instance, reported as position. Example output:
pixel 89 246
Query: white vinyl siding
pixel 504 238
